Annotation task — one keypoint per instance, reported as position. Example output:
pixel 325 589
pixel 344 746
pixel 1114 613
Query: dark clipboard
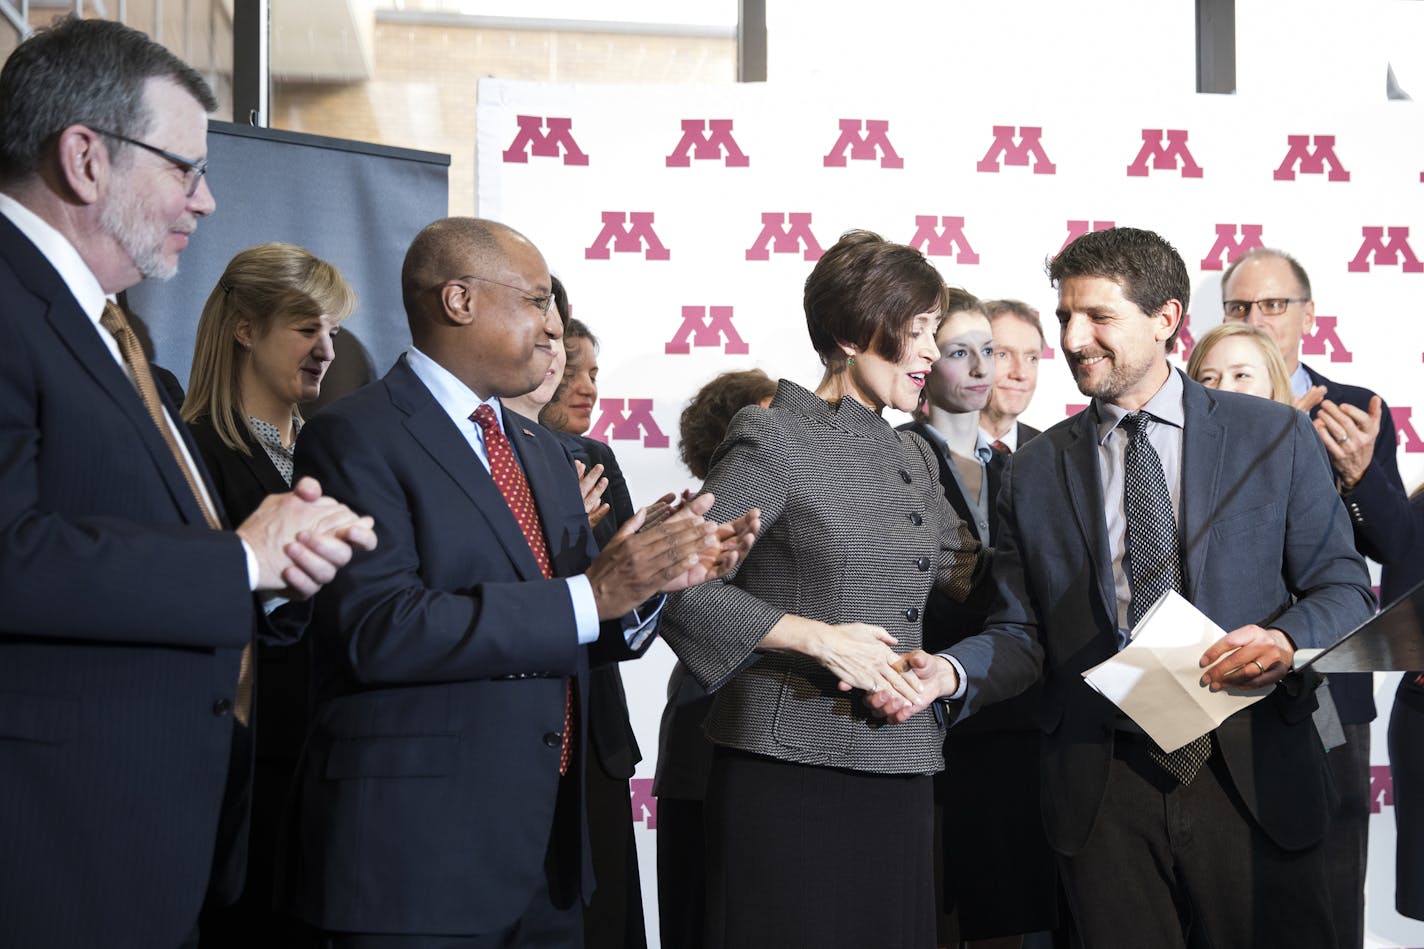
pixel 1390 641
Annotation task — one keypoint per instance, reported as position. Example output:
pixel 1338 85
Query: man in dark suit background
pixel 126 614
pixel 1270 289
pixel 1018 349
pixel 438 804
pixel 1225 849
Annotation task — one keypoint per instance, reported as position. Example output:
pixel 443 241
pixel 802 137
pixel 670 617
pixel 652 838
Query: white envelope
pixel 1156 679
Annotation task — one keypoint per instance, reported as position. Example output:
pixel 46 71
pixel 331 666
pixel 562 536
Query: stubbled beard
pixel 122 219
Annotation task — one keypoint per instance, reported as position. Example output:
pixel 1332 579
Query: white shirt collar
pixel 1010 438
pixel 1165 406
pixel 1300 380
pixel 457 399
pixel 61 255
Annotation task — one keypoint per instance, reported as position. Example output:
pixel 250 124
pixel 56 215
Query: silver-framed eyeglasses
pixel 193 169
pixel 1272 306
pixel 539 301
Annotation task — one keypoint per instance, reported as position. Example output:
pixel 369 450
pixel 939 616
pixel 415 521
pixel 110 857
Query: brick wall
pixel 422 92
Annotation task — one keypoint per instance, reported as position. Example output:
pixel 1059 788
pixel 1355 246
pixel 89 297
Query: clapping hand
pixel 301 538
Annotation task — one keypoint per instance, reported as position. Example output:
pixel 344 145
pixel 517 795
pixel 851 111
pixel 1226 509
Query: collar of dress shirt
pixel 457 399
pixel 1009 438
pixel 62 256
pixel 1165 406
pixel 1300 380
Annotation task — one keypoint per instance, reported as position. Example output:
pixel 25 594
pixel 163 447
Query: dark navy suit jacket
pixel 427 786
pixel 1264 541
pixel 123 620
pixel 1384 528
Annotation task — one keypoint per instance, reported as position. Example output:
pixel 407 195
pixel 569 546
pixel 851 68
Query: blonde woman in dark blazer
pixel 819 816
pixel 263 346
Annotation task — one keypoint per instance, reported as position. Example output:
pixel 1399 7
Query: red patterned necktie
pixel 509 478
pixel 118 326
pixel 1000 447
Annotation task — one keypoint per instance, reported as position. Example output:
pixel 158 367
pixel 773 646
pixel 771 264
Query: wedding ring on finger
pixel 1259 666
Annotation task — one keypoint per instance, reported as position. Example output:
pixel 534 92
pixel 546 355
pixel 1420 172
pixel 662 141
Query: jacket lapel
pixel 544 479
pixel 1085 495
pixel 430 426
pixel 1203 439
pixel 259 465
pixel 81 337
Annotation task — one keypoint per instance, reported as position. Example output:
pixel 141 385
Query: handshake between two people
pixel 1250 657
pixel 665 547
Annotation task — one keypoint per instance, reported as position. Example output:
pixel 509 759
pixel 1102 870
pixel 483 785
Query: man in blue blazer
pixel 1270 289
pixel 1230 855
pixel 433 806
pixel 125 614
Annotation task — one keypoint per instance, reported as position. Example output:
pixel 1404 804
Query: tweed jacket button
pixel 923 563
pixel 553 739
pixel 912 614
pixel 905 476
pixel 916 519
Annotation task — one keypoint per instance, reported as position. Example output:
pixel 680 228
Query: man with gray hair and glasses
pixel 129 606
pixel 1270 289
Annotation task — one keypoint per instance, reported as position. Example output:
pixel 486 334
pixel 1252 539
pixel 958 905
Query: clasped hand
pixel 932 677
pixel 301 538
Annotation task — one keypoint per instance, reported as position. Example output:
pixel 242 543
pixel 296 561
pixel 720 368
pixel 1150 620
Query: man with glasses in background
pixel 1269 289
pixel 128 610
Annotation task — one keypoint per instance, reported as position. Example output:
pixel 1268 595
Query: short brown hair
pixel 704 422
pixel 1017 309
pixel 865 292
pixel 1148 268
pixel 82 72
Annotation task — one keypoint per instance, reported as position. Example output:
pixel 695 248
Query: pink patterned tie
pixel 509 478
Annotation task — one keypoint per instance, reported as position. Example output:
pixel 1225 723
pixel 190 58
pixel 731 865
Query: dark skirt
pixel 801 856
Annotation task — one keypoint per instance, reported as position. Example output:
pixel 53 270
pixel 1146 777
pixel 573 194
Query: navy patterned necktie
pixel 1154 563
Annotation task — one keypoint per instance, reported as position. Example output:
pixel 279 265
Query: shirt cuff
pixel 585 609
pixel 640 625
pixel 963 686
pixel 254 569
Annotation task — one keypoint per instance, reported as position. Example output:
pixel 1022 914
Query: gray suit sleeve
pixel 715 628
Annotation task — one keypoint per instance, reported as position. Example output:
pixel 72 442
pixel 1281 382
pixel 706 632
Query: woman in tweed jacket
pixel 819 815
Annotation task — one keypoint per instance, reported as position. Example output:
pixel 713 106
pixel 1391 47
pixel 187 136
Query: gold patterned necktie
pixel 509 478
pixel 117 325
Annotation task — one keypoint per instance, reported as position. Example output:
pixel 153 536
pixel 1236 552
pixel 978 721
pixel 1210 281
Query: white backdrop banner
pixel 684 221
